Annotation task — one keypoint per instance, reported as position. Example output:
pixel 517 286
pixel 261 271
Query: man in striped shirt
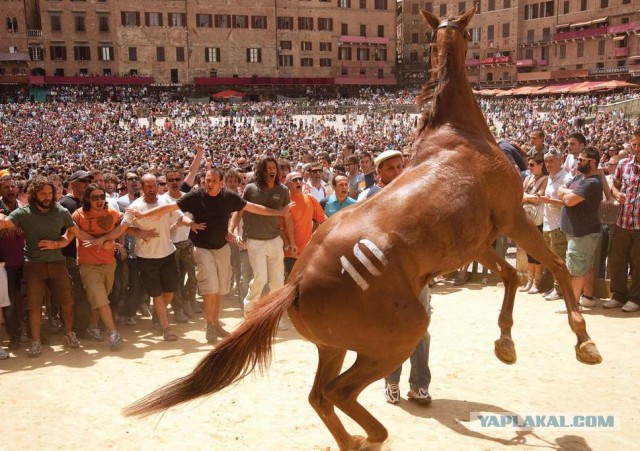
pixel 625 239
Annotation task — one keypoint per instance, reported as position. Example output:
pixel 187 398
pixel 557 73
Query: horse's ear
pixel 467 15
pixel 432 20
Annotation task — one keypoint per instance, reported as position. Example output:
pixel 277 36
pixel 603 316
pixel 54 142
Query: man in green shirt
pixel 42 220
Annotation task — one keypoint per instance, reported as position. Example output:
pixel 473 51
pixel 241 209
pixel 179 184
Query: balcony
pixel 621 52
pixel 580 34
pixel 609 70
pixel 624 28
pixel 34 33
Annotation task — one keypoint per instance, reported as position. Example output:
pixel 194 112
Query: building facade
pixel 342 42
pixel 530 41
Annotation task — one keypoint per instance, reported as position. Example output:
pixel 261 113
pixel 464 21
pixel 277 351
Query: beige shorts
pixel 97 281
pixel 213 269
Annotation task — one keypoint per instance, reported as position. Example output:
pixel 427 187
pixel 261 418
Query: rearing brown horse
pixel 357 285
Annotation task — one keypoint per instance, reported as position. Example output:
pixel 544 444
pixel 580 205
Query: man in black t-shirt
pixel 580 221
pixel 211 208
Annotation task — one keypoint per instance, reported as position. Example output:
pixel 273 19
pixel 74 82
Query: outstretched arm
pixel 195 165
pixel 265 211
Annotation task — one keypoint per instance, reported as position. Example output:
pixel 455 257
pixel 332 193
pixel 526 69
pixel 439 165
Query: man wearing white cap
pixel 389 165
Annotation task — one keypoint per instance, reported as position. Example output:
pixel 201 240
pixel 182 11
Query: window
pixel 380 73
pixel 565 7
pixel 103 22
pixel 325 62
pixel 238 21
pixel 626 2
pixel 222 20
pixel 380 4
pixel 461 7
pixel 106 72
pixel 363 54
pixel 81 52
pixel 259 22
pixel 443 9
pixel 306 46
pixel 491 5
pixel 159 53
pixel 306 62
pixel 344 53
pixel 133 54
pixel 254 55
pixel 180 54
pixel 583 5
pixel 36 53
pixel 414 38
pixel 177 20
pixel 490 32
pixel 363 30
pixel 58 52
pixel 344 71
pixel 506 4
pixel 325 24
pixel 415 9
pixel 381 31
pixel 12 25
pixel 285 60
pixel 604 3
pixel 381 54
pixel 475 34
pixel 344 3
pixel 563 51
pixel 305 23
pixel 363 71
pixel 59 72
pixel 506 30
pixel 153 19
pixel 580 50
pixel 428 7
pixel 285 23
pixel 528 54
pixel 212 55
pixel 79 22
pixel 286 45
pixel 601 45
pixel 105 53
pixel 363 4
pixel 204 20
pixel 130 18
pixel 344 29
pixel 56 23
pixel 325 47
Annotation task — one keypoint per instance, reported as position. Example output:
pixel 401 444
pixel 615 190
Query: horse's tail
pixel 232 360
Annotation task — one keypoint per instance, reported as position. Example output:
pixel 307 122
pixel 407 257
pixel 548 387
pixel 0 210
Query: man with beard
pixel 580 221
pixel 211 209
pixel 42 220
pixel 264 244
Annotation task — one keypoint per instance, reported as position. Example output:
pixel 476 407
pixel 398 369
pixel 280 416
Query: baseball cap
pixel 79 175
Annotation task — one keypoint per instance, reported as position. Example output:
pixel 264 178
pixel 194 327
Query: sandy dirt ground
pixel 71 399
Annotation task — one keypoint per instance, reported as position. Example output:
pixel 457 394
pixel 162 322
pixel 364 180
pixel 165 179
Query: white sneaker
pixel 588 302
pixel 392 393
pixel 630 306
pixel 4 354
pixel 612 303
pixel 563 308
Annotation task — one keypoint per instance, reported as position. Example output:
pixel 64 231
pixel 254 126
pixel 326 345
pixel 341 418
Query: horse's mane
pixel 438 78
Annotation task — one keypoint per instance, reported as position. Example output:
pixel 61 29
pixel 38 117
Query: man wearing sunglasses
pixel 78 183
pixel 315 185
pixel 580 221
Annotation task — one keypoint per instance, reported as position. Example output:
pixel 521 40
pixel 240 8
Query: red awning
pixel 227 94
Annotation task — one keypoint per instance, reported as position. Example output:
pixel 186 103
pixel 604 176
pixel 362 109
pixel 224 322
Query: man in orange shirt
pixel 307 214
pixel 97 264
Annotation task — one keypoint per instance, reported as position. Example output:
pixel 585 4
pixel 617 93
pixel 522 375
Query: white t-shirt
pixel 179 233
pixel 160 246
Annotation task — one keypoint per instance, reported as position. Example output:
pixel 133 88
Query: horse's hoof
pixel 505 350
pixel 587 352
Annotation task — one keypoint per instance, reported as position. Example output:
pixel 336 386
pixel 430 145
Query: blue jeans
pixel 420 376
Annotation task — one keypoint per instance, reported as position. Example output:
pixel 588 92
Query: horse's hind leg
pixel 529 238
pixel 343 392
pixel 329 365
pixel 504 348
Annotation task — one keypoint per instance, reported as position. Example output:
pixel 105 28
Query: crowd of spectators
pixel 114 136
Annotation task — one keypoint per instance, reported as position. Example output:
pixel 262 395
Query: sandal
pixel 169 335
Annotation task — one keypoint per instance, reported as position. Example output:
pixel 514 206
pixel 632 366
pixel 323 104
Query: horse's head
pixel 445 33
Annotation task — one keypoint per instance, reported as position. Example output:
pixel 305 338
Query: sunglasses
pixel 98 197
pixel 162 183
pixel 531 165
pixel 133 179
pixel 175 179
pixel 296 180
pixel 316 171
